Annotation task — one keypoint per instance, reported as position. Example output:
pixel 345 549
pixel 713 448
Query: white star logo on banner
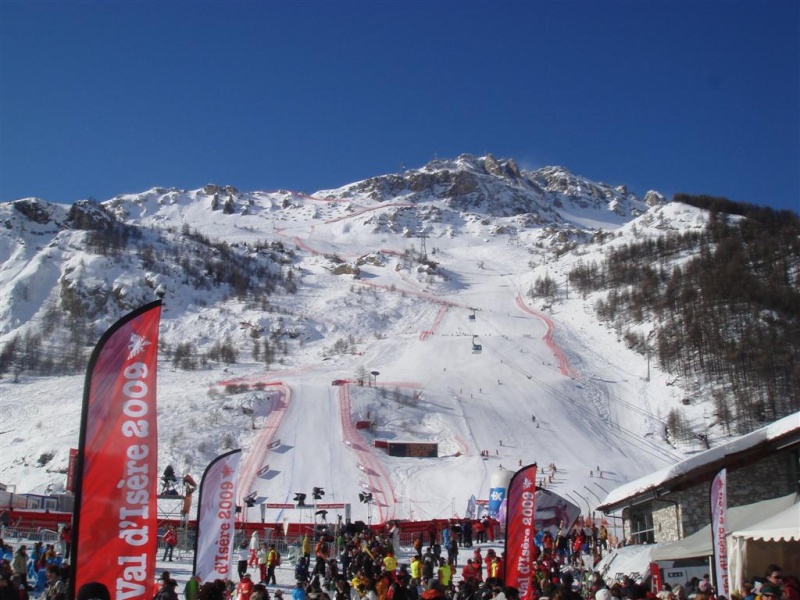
pixel 136 345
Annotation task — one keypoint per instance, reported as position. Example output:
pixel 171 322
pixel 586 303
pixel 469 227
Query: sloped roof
pixel 778 435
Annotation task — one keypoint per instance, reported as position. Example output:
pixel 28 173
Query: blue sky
pixel 111 97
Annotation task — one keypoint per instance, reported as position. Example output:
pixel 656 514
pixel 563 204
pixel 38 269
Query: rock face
pixel 33 208
pixel 498 188
pixel 653 198
pixel 89 216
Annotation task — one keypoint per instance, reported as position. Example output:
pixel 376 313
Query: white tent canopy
pixel 740 518
pixel 754 542
pixel 772 540
pixel 633 561
pixel 781 527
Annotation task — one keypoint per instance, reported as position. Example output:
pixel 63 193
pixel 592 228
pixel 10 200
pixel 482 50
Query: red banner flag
pixel 719 530
pixel 114 530
pixel 216 516
pixel 520 531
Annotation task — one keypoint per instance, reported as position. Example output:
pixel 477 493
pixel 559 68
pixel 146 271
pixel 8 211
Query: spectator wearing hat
pixel 192 588
pixel 168 591
pixel 245 588
pixel 301 570
pixel 56 589
pixel 770 592
pixel 93 590
pixel 163 578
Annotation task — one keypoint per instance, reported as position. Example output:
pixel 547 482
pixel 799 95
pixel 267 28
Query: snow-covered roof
pixel 680 471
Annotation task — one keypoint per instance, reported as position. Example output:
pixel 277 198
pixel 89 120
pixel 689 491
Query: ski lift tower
pixel 423 250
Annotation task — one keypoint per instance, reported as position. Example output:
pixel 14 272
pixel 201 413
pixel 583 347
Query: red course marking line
pixel 377 477
pixel 259 449
pixel 563 363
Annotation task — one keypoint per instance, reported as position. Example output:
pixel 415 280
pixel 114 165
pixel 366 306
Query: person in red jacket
pixel 470 573
pixel 170 541
pixel 478 530
pixel 245 588
pixel 66 540
pixel 477 563
pixel 467 574
pixel 487 561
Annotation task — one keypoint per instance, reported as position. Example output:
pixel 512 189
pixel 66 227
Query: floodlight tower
pixel 366 498
pixel 317 493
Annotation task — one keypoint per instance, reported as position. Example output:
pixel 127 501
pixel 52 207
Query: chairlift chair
pixel 476 347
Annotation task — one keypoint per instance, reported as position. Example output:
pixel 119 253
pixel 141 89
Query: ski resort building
pixel 673 503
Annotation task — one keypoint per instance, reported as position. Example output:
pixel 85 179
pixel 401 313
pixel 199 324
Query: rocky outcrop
pixel 34 209
pixel 90 216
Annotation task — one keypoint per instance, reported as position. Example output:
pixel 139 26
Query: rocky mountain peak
pixel 497 187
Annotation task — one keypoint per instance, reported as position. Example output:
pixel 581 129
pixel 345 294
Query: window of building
pixel 642 528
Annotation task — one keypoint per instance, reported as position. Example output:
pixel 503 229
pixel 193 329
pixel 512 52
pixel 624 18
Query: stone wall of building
pixel 667 521
pixel 684 512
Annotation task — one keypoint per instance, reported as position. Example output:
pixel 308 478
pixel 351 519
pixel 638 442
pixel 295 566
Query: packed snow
pixel 550 385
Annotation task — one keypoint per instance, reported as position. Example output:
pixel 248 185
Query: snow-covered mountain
pixel 392 282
